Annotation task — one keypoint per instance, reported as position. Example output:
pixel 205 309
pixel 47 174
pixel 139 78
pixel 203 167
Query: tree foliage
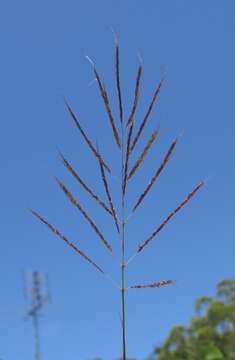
pixel 211 332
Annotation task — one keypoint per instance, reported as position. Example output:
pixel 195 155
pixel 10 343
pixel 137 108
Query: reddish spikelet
pixel 81 182
pixel 144 153
pixel 65 239
pixel 156 284
pixel 136 97
pixel 142 125
pixel 104 96
pixel 88 141
pixel 106 187
pixel 131 122
pixel 117 70
pixel 167 219
pixel 70 196
pixel 124 180
pixel 156 175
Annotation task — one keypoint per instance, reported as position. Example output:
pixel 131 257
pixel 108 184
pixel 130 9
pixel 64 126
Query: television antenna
pixel 36 291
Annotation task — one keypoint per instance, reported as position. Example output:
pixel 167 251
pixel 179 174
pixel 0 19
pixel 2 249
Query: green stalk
pixel 123 253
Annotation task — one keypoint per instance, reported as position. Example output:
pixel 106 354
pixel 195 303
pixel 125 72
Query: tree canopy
pixel 211 332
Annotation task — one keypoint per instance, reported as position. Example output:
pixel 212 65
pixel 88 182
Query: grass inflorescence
pixel 125 138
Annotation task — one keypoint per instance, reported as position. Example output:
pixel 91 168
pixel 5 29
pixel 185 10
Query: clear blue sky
pixel 43 48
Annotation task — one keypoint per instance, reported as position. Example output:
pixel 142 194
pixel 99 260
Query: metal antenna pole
pixel 37 304
pixel 36 337
pixel 39 295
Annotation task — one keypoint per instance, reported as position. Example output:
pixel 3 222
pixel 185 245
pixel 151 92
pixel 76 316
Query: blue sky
pixel 43 49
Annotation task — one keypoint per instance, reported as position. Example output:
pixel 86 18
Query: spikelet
pixel 124 180
pixel 117 72
pixel 144 153
pixel 65 239
pixel 106 187
pixel 156 284
pixel 88 141
pixel 77 177
pixel 156 175
pixel 142 125
pixel 136 97
pixel 129 137
pixel 167 219
pixel 104 96
pixel 70 196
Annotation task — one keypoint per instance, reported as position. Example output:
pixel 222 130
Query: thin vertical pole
pixel 123 250
pixel 36 336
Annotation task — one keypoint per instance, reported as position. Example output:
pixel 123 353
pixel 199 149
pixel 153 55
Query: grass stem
pixel 123 248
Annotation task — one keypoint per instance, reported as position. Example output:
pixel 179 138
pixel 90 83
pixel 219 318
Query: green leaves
pixel 213 353
pixel 226 290
pixel 210 335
